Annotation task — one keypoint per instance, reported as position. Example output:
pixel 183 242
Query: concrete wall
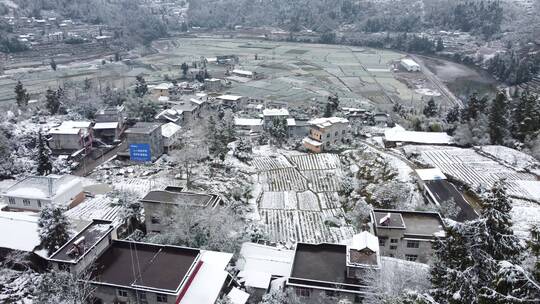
pixel 34 205
pixel 109 295
pixel 66 142
pixel 423 252
pixel 160 212
pixel 316 294
pixel 155 140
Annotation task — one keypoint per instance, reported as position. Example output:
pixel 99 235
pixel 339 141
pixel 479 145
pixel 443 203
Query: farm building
pixel 398 136
pixel 243 73
pixel 410 65
pixel 165 274
pixel 340 269
pixel 71 136
pixel 158 204
pixel 33 193
pixel 406 235
pixel 325 132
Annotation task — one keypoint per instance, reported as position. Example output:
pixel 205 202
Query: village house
pixel 162 89
pixel 25 240
pixel 171 136
pixel 109 124
pixel 244 73
pixel 159 204
pixel 325 132
pixel 439 191
pixel 230 100
pixel 213 85
pixel 163 274
pixel 71 136
pixel 35 192
pixel 249 125
pixel 145 136
pixel 407 235
pixel 111 114
pixel 340 270
pixel 270 115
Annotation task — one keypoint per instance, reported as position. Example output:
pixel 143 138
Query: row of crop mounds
pixel 315 161
pixel 302 226
pixel 473 169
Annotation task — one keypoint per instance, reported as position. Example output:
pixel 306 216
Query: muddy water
pixel 462 80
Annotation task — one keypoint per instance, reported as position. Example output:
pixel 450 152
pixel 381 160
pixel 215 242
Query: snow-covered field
pixel 472 168
pixel 299 194
pixel 481 170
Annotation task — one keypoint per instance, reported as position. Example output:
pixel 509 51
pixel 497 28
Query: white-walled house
pixel 33 193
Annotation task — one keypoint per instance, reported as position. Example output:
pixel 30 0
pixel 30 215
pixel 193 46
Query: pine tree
pixel 185 69
pixel 53 228
pixel 53 65
pixel 497 120
pixel 141 88
pixel 52 101
pixel 534 246
pixel 278 130
pixel 44 165
pixel 21 96
pixel 430 110
pixel 511 285
pixel 440 45
pixel 451 282
pixel 452 115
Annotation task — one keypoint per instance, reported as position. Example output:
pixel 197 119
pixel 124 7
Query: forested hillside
pixel 128 15
pixel 481 17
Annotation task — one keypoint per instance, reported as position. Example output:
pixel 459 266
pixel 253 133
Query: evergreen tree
pixel 450 279
pixel 52 101
pixel 141 88
pixel 185 69
pixel 534 246
pixel 474 107
pixel 440 45
pixel 526 116
pixel 44 165
pixel 511 285
pixel 21 96
pixel 53 228
pixel 453 115
pixel 430 110
pixel 497 120
pixel 278 130
pixel 53 65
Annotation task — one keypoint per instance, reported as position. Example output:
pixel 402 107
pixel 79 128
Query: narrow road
pixel 88 164
pixel 437 82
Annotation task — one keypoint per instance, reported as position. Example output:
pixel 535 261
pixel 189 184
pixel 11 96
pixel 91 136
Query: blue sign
pixel 140 152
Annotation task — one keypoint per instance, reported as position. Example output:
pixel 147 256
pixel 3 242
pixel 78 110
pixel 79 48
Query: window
pixel 11 200
pixel 39 203
pixel 411 257
pixel 302 292
pixel 122 293
pixel 161 298
pixel 155 219
pixel 328 135
pixel 413 244
pixel 382 242
pixel 393 241
pixel 142 297
pixel 26 202
pixel 393 247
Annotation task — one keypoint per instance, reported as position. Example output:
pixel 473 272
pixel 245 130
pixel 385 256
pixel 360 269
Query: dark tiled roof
pixel 445 191
pixel 323 262
pixel 142 265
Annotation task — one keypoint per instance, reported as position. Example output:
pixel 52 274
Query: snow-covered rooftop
pixel 238 296
pixel 105 125
pixel 100 207
pixel 409 62
pixel 43 187
pixel 229 97
pixel 397 134
pixel 325 122
pixel 312 142
pixel 248 122
pixel 243 72
pixel 257 263
pixel 169 129
pixel 23 227
pixel 276 112
pixel 430 174
pixel 163 86
pixel 365 240
pixel 71 127
pixel 291 122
